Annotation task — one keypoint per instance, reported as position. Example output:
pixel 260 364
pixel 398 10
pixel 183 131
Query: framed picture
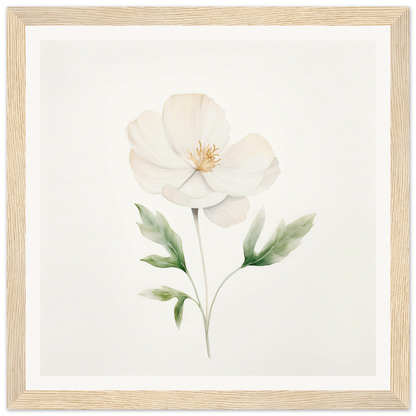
pixel 208 208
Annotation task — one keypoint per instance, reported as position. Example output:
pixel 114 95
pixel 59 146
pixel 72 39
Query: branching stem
pixel 198 302
pixel 216 294
pixel 208 309
pixel 196 221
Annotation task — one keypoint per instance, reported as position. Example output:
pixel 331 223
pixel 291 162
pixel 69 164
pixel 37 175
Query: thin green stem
pixel 207 342
pixel 198 302
pixel 191 298
pixel 206 331
pixel 216 294
pixel 193 285
pixel 196 221
pixel 198 233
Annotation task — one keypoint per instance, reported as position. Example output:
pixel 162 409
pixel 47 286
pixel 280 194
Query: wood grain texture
pixel 397 397
pixel 399 245
pixel 16 223
pixel 208 400
pixel 227 16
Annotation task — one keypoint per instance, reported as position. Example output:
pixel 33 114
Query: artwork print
pixel 204 203
pixel 185 155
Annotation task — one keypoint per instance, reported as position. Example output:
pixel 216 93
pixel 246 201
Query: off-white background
pixel 313 314
pixel 315 104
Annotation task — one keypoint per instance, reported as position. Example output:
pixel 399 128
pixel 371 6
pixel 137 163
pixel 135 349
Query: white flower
pixel 182 155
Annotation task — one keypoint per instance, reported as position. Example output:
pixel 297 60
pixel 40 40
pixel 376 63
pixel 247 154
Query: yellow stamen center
pixel 205 158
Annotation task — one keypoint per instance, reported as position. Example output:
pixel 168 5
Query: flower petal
pixel 228 212
pixel 153 178
pixel 193 118
pixel 194 193
pixel 270 176
pixel 242 167
pixel 147 138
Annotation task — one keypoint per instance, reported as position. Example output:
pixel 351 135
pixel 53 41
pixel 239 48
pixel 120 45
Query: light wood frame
pixel 398 20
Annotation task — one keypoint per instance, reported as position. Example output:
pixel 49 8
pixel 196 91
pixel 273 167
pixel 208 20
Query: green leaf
pixel 283 240
pixel 167 293
pixel 254 234
pixel 178 311
pixel 162 262
pixel 157 229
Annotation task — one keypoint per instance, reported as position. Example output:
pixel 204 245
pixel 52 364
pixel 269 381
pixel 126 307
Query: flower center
pixel 205 158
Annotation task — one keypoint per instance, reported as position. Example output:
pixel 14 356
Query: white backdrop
pixel 312 314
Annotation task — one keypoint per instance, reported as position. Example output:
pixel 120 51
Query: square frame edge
pixel 399 208
pixel 15 194
pixel 412 15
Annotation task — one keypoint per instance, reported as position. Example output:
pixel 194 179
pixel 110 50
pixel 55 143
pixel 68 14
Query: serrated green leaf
pixel 283 241
pixel 156 228
pixel 157 294
pixel 162 262
pixel 167 293
pixel 163 294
